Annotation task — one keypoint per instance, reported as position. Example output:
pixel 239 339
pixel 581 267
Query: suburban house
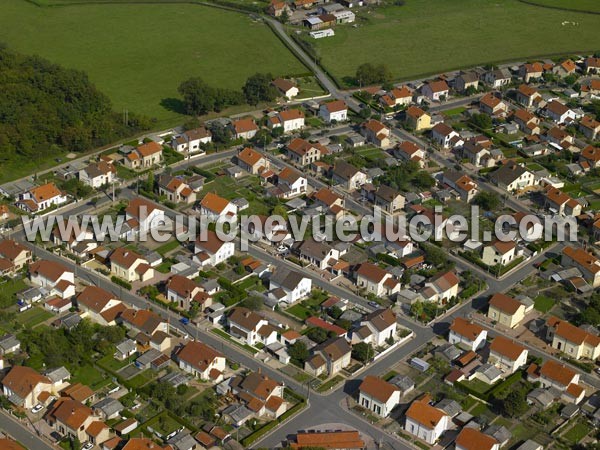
pixel 388 199
pixel 527 122
pixel 39 198
pixel 497 78
pixel 95 302
pixel 435 90
pixel 591 156
pixel 559 112
pixel 506 310
pixel 259 393
pixel 575 342
pixel 589 127
pixel 286 87
pixel 210 250
pixel 144 156
pixel 244 128
pixel 425 421
pixel 143 321
pixel 289 286
pixel 473 439
pixel 73 419
pixel 376 133
pixel 348 176
pixel 215 207
pixel 184 292
pixel 417 119
pixel 492 105
pixel 560 203
pixel 141 216
pixel 291 183
pixel 331 356
pixel 334 110
pixel 528 96
pixel 252 161
pixel 289 119
pixel 409 151
pixel 130 266
pixel 327 198
pixel 376 280
pixel 530 72
pixel 507 355
pixel 513 177
pixel 175 189
pixel 53 276
pixel 22 385
pixel 444 135
pixel 303 152
pixel 191 141
pixel 250 327
pixel 98 174
pixel 499 253
pixel 401 96
pixel 319 254
pixel 592 65
pixel 467 334
pixel 441 288
pixel 555 375
pixel 201 361
pixel 466 81
pixel 15 254
pixel 463 184
pixel 378 396
pixel 382 325
pixel 565 68
pixel 587 263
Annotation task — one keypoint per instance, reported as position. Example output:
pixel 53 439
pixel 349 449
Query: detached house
pixel 376 280
pixel 559 112
pixel 529 72
pixel 289 286
pixel 388 199
pixel 290 120
pixel 303 152
pixel 506 310
pixel 191 140
pixel 244 128
pixel 175 189
pixel 334 110
pixel 201 361
pixel 286 87
pixel 215 207
pixel 417 119
pixel 528 96
pixel 95 302
pixel 561 203
pixel 184 292
pixel 592 65
pixel 53 276
pixel 382 325
pixel 513 177
pixel 466 81
pixel 444 135
pixel 589 127
pixel 144 156
pixel 22 385
pixel 143 321
pixel 499 253
pixel 250 327
pixel 425 421
pixel 507 355
pixel 587 263
pixel 527 122
pixel 40 198
pixel 260 394
pixel 565 68
pixel 590 155
pixel 329 357
pixel 15 254
pixel 492 105
pixel 291 183
pixel 575 342
pixel 435 90
pixel 141 216
pixel 211 250
pixel 98 174
pixel 401 96
pixel 378 396
pixel 441 288
pixel 348 176
pixel 464 185
pixel 409 151
pixel 467 334
pixel 72 419
pixel 497 78
pixel 558 376
pixel 376 133
pixel 320 254
pixel 130 266
pixel 252 161
pixel 473 439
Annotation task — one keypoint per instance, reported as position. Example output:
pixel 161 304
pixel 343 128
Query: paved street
pixel 22 434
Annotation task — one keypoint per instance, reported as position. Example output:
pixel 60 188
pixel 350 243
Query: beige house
pixel 331 356
pixel 376 280
pixel 14 253
pixel 507 355
pixel 348 176
pixel 499 253
pixel 561 203
pixel 584 261
pixel 376 133
pixel 72 419
pixel 304 153
pixel 175 189
pixel 506 310
pixel 417 118
pixel 144 156
pixel 130 266
pixel 573 341
pixel 22 386
pixel 95 302
pixel 252 161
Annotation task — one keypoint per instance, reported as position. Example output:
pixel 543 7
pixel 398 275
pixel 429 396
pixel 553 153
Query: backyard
pixel 426 37
pixel 138 54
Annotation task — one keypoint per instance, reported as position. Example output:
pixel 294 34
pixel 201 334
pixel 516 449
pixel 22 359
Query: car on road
pixel 87 446
pixel 37 408
pixel 374 304
pixel 171 435
pixel 184 320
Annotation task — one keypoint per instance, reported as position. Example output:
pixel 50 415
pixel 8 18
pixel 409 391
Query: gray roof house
pixel 108 408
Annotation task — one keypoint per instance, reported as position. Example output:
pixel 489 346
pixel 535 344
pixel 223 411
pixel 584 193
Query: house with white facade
pixel 141 216
pixel 98 174
pixel 467 334
pixel 191 141
pixel 289 286
pixel 290 120
pixel 129 265
pixel 435 90
pixel 39 198
pixel 251 327
pixel 382 325
pixel 210 250
pixel 185 292
pixel 425 421
pixel 378 396
pixel 376 280
pixel 215 207
pixel 507 355
pixel 202 361
pixel 334 110
pixel 443 135
pixel 53 276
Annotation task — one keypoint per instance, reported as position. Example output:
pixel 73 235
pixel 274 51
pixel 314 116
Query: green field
pixel 425 37
pixel 579 5
pixel 139 54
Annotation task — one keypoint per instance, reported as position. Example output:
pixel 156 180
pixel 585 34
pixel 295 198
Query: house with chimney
pixel 528 96
pixel 143 321
pixel 191 141
pixel 210 250
pixel 244 128
pixel 506 310
pixel 382 326
pixel 319 254
pixel 435 90
pixel 262 395
pixel 53 276
pixel 250 327
pixel 529 72
pixel 252 161
pixel 141 216
pixel 560 203
pixel 130 266
pixel 98 174
pixel 348 176
pixel 426 422
pixel 513 177
pixel 201 361
pixel 499 253
pixel 507 355
pixel 417 119
pixel 590 156
pixel 289 120
pixel 185 293
pixel 376 280
pixel 409 151
pixel 589 127
pixel 378 395
pixel 466 334
pixel 289 286
pixel 72 419
pixel 290 184
pixel 552 374
pixel 463 184
pixel 573 341
pixel 491 105
pixel 335 110
pixel 386 198
pixel 23 385
pixel 215 207
pixel 95 302
pixel 144 156
pixel 444 136
pixel 376 133
pixel 559 113
pixel 473 439
pixel 303 152
pixel 329 357
pixel 176 189
pixel 441 288
pixel 14 255
pixel 497 78
pixel 40 198
pixel 587 263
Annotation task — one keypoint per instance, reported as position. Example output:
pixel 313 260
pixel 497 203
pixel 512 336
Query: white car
pixel 87 446
pixel 37 408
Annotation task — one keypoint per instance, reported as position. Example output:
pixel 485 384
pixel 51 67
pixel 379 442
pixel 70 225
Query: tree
pixel 253 303
pixel 150 182
pixel 220 133
pixel 198 97
pixel 490 201
pixel 416 309
pixel 515 403
pixel 362 352
pixel 423 180
pixel 298 351
pixel 482 121
pixel 335 312
pixel 262 137
pixel 368 73
pixel 434 255
pixel 258 88
pixel 318 335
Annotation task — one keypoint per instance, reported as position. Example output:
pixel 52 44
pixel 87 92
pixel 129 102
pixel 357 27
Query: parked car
pixel 87 446
pixel 37 408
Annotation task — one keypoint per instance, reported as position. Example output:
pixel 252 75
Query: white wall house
pixel 335 110
pixel 378 396
pixel 294 285
pixel 212 250
pixel 425 421
pixel 467 334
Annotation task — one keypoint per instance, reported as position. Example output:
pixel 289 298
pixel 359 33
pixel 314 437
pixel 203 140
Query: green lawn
pixel 33 317
pixel 577 432
pixel 543 303
pixel 300 312
pixel 139 54
pixel 90 376
pixel 431 36
pixel 579 5
pixel 454 111
pixel 10 288
pixel 168 247
pixel 111 364
pixel 330 383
